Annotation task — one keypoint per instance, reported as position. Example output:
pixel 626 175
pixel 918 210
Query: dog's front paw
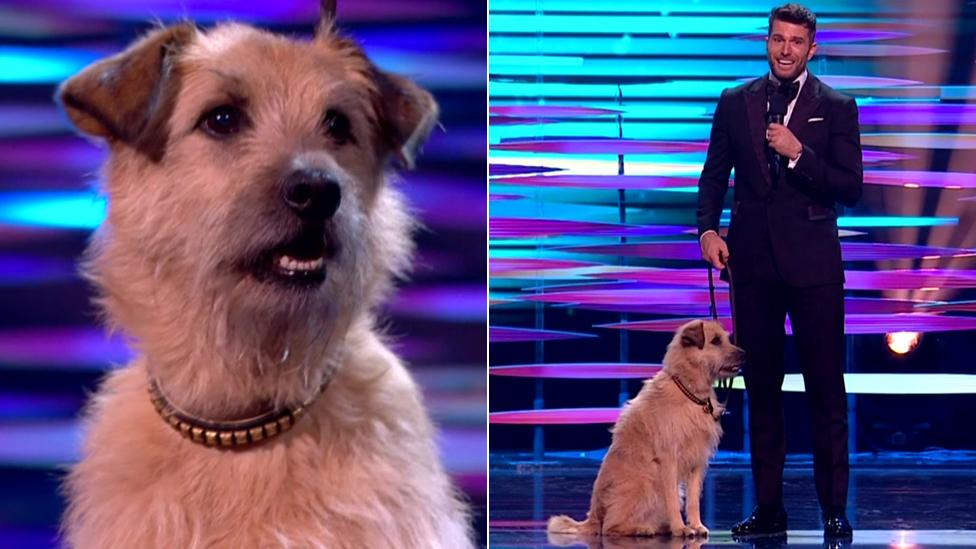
pixel 683 531
pixel 699 529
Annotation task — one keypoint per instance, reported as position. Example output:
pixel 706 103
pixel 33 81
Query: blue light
pixel 665 131
pixel 889 221
pixel 758 8
pixel 24 65
pixel 555 65
pixel 703 89
pixel 626 45
pixel 67 210
pixel 645 23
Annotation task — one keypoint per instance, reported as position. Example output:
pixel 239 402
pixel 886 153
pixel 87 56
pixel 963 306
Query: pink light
pixel 504 334
pixel 564 416
pixel 608 145
pixel 582 370
pixel 853 324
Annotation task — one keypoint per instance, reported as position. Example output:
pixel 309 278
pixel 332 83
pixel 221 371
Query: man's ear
pixel 410 113
pixel 694 336
pixel 129 97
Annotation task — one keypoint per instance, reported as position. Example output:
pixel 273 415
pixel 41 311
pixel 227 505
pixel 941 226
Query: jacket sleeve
pixel 714 180
pixel 841 175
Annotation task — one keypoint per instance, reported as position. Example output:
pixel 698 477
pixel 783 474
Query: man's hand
pixel 714 250
pixel 782 140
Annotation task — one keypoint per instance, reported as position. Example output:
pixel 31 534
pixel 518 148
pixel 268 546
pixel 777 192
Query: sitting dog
pixel 664 437
pixel 251 232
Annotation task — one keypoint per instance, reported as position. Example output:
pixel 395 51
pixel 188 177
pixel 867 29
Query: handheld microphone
pixel 777 109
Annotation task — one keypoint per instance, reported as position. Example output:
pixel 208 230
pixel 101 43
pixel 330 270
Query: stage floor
pixel 892 504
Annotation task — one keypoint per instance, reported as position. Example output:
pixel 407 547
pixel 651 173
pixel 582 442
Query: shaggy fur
pixel 187 215
pixel 661 441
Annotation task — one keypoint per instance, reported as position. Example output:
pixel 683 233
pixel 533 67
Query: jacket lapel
pixel 806 105
pixel 756 114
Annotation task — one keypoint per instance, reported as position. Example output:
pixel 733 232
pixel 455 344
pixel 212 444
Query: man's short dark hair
pixel 796 14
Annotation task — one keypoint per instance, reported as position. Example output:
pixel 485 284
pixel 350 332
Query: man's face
pixel 788 48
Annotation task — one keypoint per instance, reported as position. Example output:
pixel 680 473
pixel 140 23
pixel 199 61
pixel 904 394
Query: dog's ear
pixel 129 97
pixel 694 336
pixel 410 113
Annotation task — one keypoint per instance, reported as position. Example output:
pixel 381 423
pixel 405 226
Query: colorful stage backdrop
pixel 52 351
pixel 599 120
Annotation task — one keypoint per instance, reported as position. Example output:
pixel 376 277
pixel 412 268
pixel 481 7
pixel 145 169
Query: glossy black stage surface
pixel 908 500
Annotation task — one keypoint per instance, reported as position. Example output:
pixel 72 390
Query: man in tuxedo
pixel 795 145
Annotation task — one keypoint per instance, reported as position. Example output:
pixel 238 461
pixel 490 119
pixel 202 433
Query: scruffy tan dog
pixel 251 231
pixel 663 439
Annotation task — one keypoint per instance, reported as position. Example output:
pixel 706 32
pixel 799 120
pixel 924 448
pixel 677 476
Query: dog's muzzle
pixel 734 364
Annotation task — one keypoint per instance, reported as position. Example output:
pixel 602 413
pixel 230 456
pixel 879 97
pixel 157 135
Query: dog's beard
pixel 272 326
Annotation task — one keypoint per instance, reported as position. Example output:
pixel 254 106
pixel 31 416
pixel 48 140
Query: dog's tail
pixel 561 524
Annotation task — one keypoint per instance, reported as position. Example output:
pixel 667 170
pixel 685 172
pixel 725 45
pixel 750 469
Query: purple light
pixel 873 50
pixel 511 265
pixel 515 169
pixel 607 145
pixel 510 227
pixel 899 178
pixel 27 119
pixel 14 406
pixel 853 324
pixel 39 442
pixel 459 303
pixel 24 270
pixel 921 140
pixel 951 307
pixel 843 82
pixel 518 121
pixel 436 201
pixel 673 301
pixel 914 114
pixel 627 182
pixel 537 111
pixel 58 155
pixel 871 156
pixel 580 370
pixel 493 197
pixel 690 251
pixel 67 348
pixel 500 334
pixel 564 416
pixel 855 280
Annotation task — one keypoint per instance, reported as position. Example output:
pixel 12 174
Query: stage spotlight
pixel 902 343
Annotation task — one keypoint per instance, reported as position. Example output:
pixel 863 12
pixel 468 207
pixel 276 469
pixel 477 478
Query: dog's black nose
pixel 312 194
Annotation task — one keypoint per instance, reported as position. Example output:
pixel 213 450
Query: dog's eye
pixel 716 340
pixel 338 127
pixel 223 121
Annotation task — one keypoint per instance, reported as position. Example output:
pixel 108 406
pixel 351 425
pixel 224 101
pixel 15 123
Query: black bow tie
pixel 789 90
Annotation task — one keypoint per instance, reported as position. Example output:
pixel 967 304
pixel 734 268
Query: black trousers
pixel 817 318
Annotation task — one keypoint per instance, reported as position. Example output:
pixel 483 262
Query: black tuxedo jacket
pixel 796 215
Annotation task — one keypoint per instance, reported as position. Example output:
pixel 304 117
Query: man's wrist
pixel 702 237
pixel 794 159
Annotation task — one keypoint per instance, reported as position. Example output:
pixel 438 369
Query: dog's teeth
pixel 289 263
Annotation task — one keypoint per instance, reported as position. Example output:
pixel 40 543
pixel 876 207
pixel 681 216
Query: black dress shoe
pixel 762 522
pixel 836 527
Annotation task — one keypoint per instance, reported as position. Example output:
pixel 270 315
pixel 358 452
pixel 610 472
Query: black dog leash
pixel 723 384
